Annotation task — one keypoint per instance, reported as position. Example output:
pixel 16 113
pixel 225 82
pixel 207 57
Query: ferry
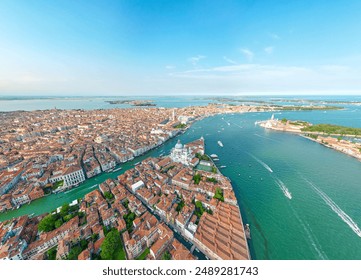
pixel 220 143
pixel 117 169
pixel 214 156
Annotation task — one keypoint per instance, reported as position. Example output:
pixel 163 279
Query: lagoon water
pixel 302 200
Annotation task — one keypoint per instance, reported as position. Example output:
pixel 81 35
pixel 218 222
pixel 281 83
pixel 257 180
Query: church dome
pixel 179 145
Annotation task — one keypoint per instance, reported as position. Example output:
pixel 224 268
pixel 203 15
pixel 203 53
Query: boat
pixel 216 159
pixel 223 166
pixel 220 143
pixel 214 156
pixel 135 164
pixel 247 231
pixel 117 169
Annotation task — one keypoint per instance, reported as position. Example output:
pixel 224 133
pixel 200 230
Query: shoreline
pixel 346 149
pixel 331 147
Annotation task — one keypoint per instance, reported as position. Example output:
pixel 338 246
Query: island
pixel 145 103
pixel 339 138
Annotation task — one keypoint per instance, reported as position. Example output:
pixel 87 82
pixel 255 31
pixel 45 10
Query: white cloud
pixel 248 54
pixel 272 78
pixel 195 59
pixel 170 67
pixel 231 61
pixel 269 49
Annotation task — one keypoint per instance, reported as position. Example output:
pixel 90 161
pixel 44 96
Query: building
pixel 137 185
pixel 181 154
pixel 73 175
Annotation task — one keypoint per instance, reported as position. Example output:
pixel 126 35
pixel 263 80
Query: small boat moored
pixel 247 231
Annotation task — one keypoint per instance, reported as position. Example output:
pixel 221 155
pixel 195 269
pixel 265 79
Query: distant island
pixel 320 133
pixel 133 102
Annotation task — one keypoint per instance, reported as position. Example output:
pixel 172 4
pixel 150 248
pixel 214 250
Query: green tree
pixel 213 180
pixel 197 178
pixel 199 208
pixel 58 223
pixel 83 244
pixel 68 217
pixel 51 254
pixel 95 237
pixel 111 245
pixel 47 223
pixel 108 195
pixel 180 206
pixel 129 218
pixel 219 194
pixel 166 256
pixel 64 210
pixel 74 253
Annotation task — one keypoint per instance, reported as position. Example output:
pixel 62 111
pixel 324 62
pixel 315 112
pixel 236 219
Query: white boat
pixel 247 231
pixel 220 143
pixel 214 156
pixel 216 159
pixel 117 169
pixel 135 164
pixel 223 166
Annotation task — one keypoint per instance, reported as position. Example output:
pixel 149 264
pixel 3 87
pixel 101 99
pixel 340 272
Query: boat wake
pixel 92 186
pixel 314 242
pixel 283 188
pixel 268 138
pixel 262 163
pixel 346 218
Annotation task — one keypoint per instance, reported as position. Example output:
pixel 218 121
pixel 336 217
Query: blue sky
pixel 180 47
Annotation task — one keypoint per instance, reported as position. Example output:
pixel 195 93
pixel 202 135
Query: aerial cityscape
pixel 164 130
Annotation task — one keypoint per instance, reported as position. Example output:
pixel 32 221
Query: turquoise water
pixel 320 221
pixel 89 103
pixel 13 103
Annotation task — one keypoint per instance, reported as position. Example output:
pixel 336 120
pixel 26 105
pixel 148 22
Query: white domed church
pixel 181 154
